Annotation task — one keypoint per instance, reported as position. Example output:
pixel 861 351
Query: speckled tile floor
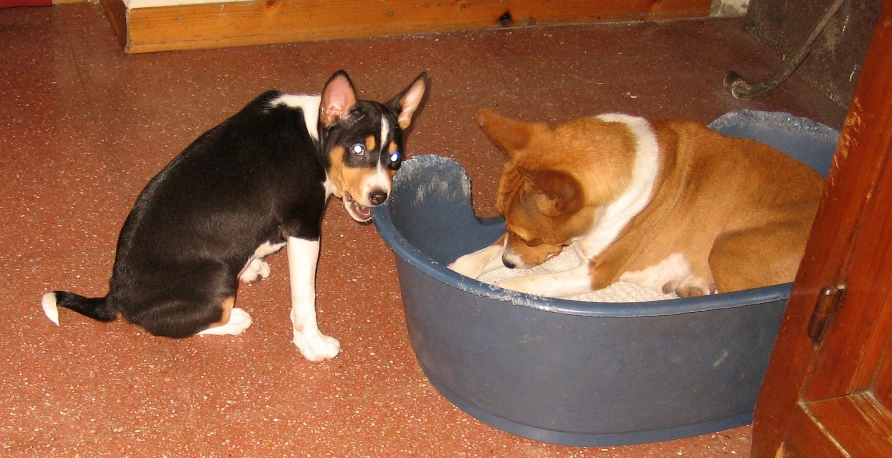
pixel 84 126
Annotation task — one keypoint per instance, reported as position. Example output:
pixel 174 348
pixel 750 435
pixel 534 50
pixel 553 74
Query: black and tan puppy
pixel 254 184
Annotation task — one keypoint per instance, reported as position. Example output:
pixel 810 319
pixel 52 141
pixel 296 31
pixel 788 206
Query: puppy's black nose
pixel 509 264
pixel 377 197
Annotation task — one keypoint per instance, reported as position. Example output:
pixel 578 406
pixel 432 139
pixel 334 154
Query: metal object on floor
pixel 740 88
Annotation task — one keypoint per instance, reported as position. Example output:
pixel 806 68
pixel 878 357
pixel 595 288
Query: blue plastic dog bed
pixel 571 372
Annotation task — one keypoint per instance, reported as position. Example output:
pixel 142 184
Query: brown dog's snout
pixel 509 263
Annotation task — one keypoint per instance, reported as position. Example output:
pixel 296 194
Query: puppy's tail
pixel 96 308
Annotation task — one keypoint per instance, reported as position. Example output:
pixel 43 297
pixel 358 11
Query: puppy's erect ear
pixel 557 193
pixel 507 134
pixel 337 98
pixel 407 101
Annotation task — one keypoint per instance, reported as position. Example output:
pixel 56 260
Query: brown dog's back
pixel 741 209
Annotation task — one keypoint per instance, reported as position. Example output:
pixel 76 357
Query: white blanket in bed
pixel 567 259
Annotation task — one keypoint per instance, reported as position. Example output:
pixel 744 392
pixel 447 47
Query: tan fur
pixel 739 211
pixel 370 143
pixel 351 179
pixel 546 167
pixel 226 305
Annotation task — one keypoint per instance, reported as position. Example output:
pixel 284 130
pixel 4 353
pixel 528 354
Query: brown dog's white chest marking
pixel 606 224
pixel 614 216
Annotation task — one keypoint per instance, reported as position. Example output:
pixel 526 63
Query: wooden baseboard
pixel 20 3
pixel 280 21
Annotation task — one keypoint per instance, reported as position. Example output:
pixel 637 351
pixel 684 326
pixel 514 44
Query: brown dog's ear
pixel 559 193
pixel 337 99
pixel 406 102
pixel 507 134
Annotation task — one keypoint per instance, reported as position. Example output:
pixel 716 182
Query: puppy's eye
pixel 396 156
pixel 358 149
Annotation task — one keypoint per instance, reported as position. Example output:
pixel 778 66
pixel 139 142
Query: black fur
pixel 255 178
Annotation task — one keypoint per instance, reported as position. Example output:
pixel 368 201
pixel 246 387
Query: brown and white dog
pixel 669 205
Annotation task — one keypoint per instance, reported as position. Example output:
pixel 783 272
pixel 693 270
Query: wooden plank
pixel 18 3
pixel 806 439
pixel 280 21
pixel 869 435
pixel 882 387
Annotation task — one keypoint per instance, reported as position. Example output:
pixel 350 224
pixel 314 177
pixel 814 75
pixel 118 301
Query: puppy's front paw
pixel 255 271
pixel 317 347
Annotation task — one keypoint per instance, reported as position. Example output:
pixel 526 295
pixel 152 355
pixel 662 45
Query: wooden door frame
pixel 864 150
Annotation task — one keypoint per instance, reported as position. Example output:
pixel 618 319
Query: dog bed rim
pixel 421 261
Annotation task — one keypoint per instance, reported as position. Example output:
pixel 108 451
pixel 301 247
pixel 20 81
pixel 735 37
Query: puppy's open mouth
pixel 356 210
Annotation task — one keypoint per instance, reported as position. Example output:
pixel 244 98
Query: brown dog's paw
pixel 688 289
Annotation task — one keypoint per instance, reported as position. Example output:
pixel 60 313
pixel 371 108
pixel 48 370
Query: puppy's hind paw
pixel 317 347
pixel 239 320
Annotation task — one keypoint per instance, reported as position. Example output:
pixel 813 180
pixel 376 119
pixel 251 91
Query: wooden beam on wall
pixel 279 21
